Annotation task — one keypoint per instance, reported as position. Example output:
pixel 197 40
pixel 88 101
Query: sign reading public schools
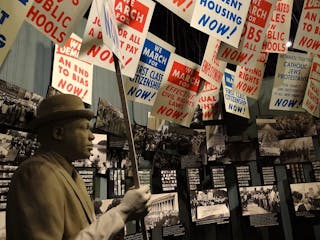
pixel 221 19
pixel 177 97
pixel 151 69
pixel 311 100
pixel 69 74
pixel 182 8
pixel 290 81
pixel 234 102
pixel 12 15
pixel 57 18
pixel 133 19
pixel 252 36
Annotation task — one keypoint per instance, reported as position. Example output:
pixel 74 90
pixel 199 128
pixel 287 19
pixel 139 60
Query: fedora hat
pixel 59 107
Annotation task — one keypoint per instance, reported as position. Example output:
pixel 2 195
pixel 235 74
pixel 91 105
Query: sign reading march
pixel 12 15
pixel 70 74
pixel 221 19
pixel 308 32
pixel 133 19
pixel 235 103
pixel 57 19
pixel 290 81
pixel 311 101
pixel 151 69
pixel 177 97
pixel 182 8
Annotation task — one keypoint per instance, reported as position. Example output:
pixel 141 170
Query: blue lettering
pixel 4 16
pixel 2 41
pixel 24 2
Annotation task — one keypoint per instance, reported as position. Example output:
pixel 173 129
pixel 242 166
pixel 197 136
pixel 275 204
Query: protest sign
pixel 308 32
pixel 278 32
pixel 290 81
pixel 208 101
pixel 223 20
pixel 252 36
pixel 70 74
pixel 212 69
pixel 109 27
pixel 12 15
pixel 153 63
pixel 248 80
pixel 234 102
pixel 177 97
pixel 311 100
pixel 55 18
pixel 133 19
pixel 182 8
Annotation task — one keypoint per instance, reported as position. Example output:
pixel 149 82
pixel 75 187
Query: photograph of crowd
pixel 297 150
pixel 306 198
pixel 240 151
pixel 268 137
pixel 110 119
pixel 17 105
pixel 257 200
pixel 216 146
pixel 211 204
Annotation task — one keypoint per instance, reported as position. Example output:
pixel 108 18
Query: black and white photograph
pixel 297 150
pixel 306 198
pixel 241 151
pixel 7 154
pixel 216 145
pixel 152 140
pixel 17 105
pixel 164 211
pixel 3 225
pixel 110 119
pixel 257 200
pixel 268 137
pixel 209 205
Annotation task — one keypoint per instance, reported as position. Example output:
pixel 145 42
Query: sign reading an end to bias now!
pixel 222 19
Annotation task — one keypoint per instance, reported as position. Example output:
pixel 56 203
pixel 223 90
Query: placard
pixel 218 178
pixel 243 175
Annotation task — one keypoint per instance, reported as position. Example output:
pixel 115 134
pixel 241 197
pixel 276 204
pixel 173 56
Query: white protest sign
pixel 248 80
pixel 154 59
pixel 223 20
pixel 109 26
pixel 311 100
pixel 55 18
pixel 212 69
pixel 235 103
pixel 182 8
pixel 278 32
pixel 69 74
pixel 12 15
pixel 133 19
pixel 290 81
pixel 252 36
pixel 177 97
pixel 308 32
pixel 208 101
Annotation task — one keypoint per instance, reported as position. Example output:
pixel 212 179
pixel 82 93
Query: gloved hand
pixel 135 204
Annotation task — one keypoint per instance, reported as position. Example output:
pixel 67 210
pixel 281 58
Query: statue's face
pixel 77 139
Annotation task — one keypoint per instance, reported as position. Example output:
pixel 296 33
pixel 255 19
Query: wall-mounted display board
pixel 88 176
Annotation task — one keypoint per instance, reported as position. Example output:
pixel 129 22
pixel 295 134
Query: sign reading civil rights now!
pixel 177 97
pixel 133 19
pixel 12 15
pixel 154 59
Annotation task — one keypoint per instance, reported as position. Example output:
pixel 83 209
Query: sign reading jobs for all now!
pixel 151 69
pixel 133 19
pixel 182 8
pixel 212 69
pixel 248 80
pixel 311 101
pixel 57 18
pixel 12 15
pixel 177 97
pixel 308 32
pixel 235 102
pixel 278 32
pixel 221 19
pixel 69 74
pixel 290 81
pixel 252 36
